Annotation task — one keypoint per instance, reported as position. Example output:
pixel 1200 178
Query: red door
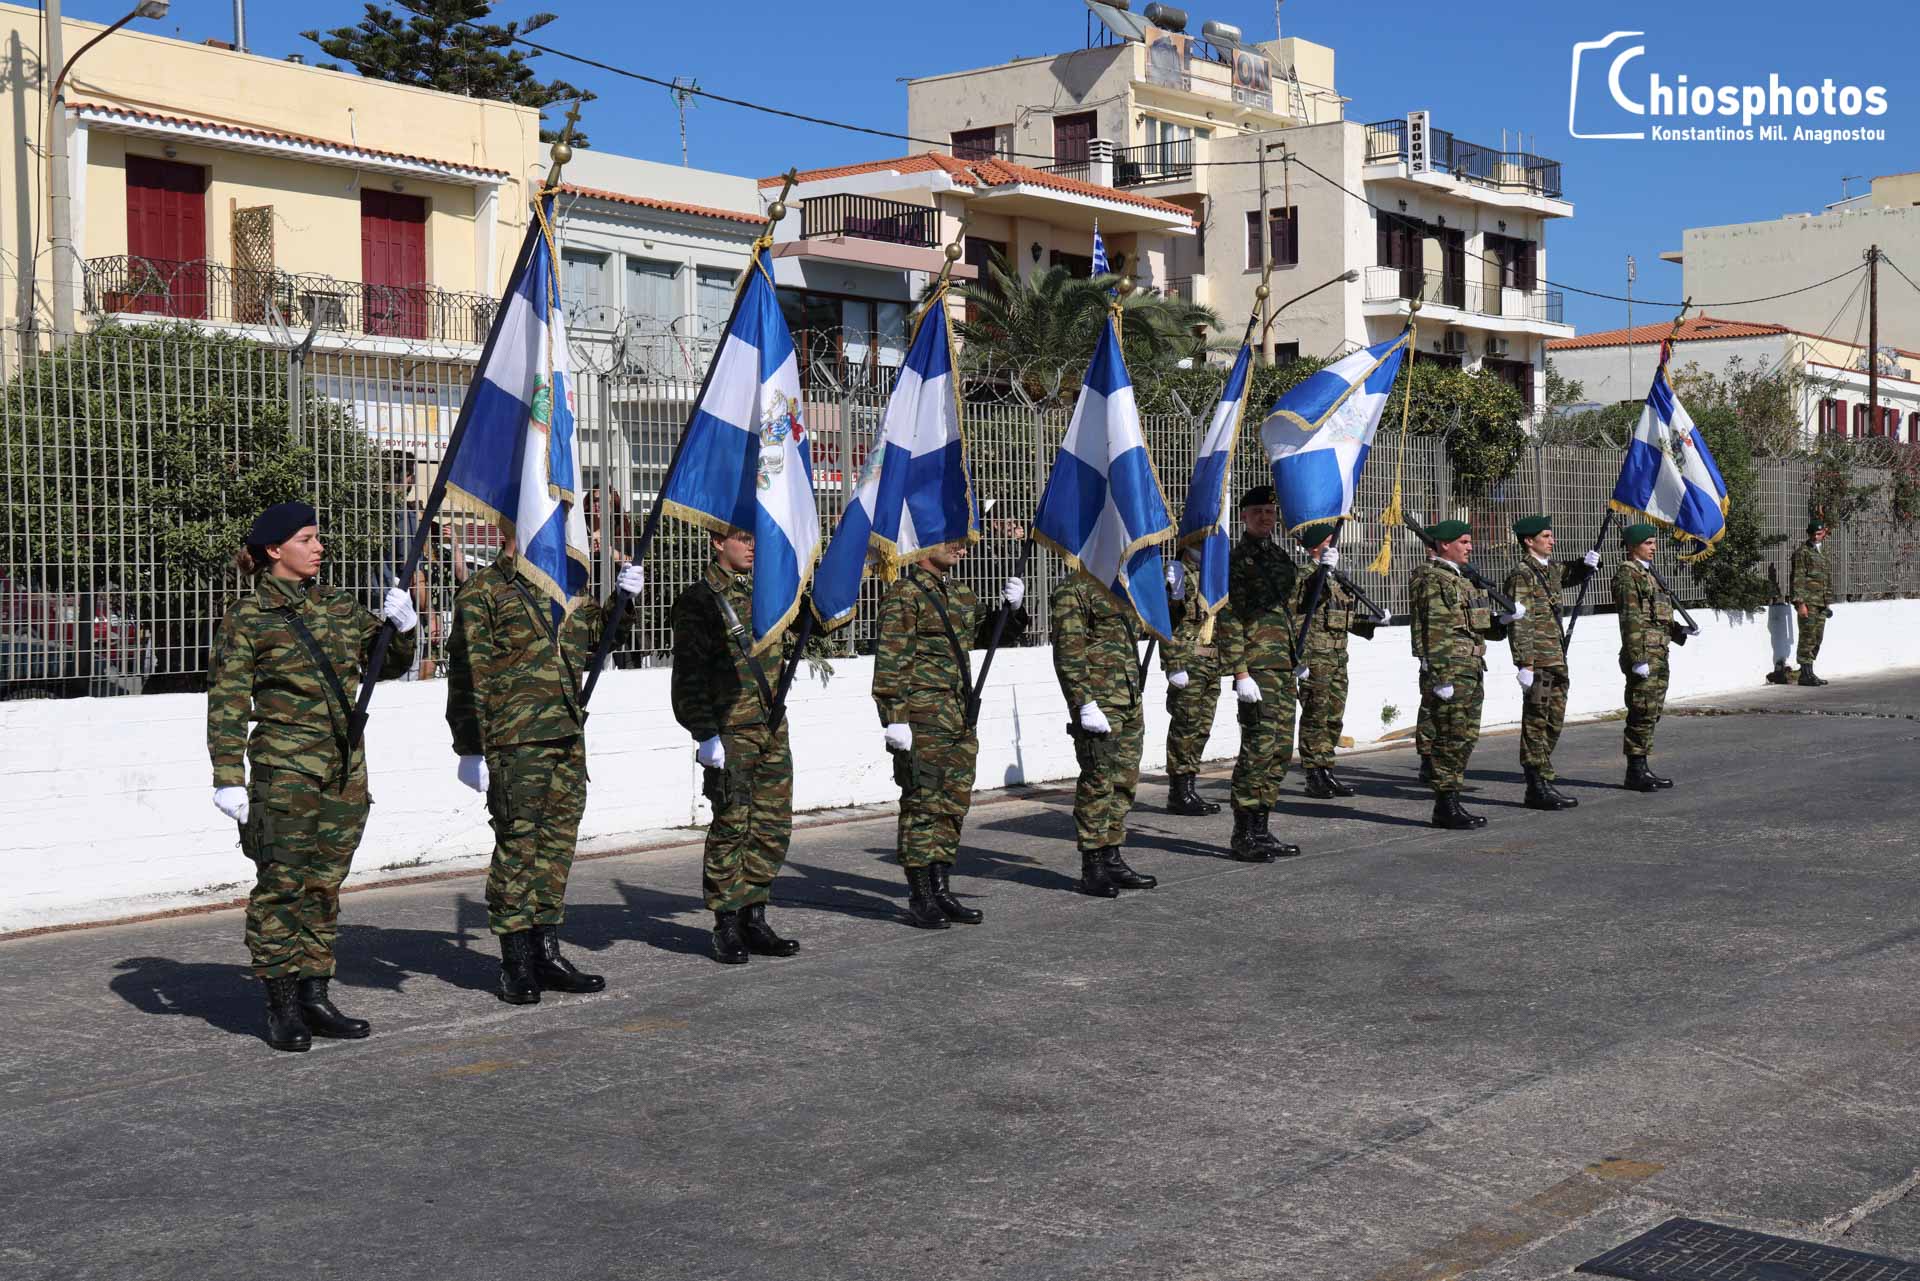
pixel 393 263
pixel 166 239
pixel 1071 134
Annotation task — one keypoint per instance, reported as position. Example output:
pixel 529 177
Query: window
pixel 1859 420
pixel 393 263
pixel 1285 353
pixel 713 299
pixel 653 293
pixel 583 289
pixel 976 144
pixel 166 238
pixel 1913 428
pixel 1283 237
pixel 1079 266
pixel 1833 417
pixel 978 252
pixel 1071 136
pixel 1517 262
pixel 1517 374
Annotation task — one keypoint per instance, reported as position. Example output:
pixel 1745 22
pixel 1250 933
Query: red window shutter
pixel 393 263
pixel 167 236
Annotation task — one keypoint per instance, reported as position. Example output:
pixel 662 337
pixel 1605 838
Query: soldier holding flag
pixel 1647 626
pixel 1324 625
pixel 1257 643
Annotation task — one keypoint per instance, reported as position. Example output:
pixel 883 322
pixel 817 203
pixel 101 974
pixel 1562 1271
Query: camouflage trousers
pixel 1266 741
pixel 1323 708
pixel 1423 725
pixel 535 798
pixel 1456 725
pixel 1646 699
pixel 1543 713
pixel 1813 629
pixel 301 832
pixel 1190 714
pixel 752 817
pixel 936 790
pixel 1109 774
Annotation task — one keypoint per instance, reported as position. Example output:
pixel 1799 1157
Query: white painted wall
pixel 105 812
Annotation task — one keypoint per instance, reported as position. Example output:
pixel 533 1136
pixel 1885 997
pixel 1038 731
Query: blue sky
pixel 1477 69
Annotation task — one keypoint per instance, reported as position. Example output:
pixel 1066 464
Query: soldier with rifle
pixel 1540 654
pixel 1326 609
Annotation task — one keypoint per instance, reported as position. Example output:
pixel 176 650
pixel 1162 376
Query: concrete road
pixel 1407 1055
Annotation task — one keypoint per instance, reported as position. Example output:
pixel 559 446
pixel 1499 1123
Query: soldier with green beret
pixel 1810 589
pixel 515 662
pixel 1256 643
pixel 1540 654
pixel 1323 652
pixel 1646 628
pixel 923 686
pixel 1453 619
pixel 290 656
pixel 1191 663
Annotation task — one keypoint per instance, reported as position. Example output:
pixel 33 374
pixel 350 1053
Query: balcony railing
pixel 202 290
pixel 1153 162
pixel 869 218
pixel 1512 171
pixel 1442 289
pixel 1180 287
pixel 1077 169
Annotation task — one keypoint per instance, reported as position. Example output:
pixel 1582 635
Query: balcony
pixel 869 218
pixel 1078 170
pixel 1517 173
pixel 1153 162
pixel 1395 286
pixel 202 290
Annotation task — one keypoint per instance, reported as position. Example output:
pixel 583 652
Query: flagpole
pixel 775 212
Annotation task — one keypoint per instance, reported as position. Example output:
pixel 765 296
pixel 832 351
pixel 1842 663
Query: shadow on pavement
pixel 222 996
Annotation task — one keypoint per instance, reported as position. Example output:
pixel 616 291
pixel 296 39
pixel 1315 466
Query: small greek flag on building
pixel 1203 519
pixel 1668 474
pixel 1100 267
pixel 914 492
pixel 515 455
pixel 745 462
pixel 1102 509
pixel 1318 434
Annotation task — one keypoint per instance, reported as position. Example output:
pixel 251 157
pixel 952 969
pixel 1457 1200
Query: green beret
pixel 1314 535
pixel 1258 496
pixel 1634 535
pixel 1815 526
pixel 1532 526
pixel 1445 531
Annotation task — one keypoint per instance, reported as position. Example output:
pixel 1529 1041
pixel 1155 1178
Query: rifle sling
pixel 339 691
pixel 960 653
pixel 739 634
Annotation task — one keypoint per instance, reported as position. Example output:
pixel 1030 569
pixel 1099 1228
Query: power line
pixel 1903 275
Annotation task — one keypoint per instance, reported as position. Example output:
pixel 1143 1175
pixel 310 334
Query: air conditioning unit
pixel 1497 346
pixel 1454 342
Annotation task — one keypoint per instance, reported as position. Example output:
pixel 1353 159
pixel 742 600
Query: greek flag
pixel 1100 267
pixel 1102 509
pixel 1203 519
pixel 1669 474
pixel 1318 434
pixel 914 493
pixel 745 462
pixel 514 453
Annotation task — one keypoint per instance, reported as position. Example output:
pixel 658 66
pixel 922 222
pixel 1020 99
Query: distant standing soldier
pixel 290 656
pixel 1540 654
pixel 513 704
pixel 1099 672
pixel 1191 662
pixel 1323 691
pixel 1646 628
pixel 723 696
pixel 1452 622
pixel 1256 644
pixel 1811 590
pixel 923 684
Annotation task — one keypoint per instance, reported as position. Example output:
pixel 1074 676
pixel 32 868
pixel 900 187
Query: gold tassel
pixel 1390 516
pixel 1206 630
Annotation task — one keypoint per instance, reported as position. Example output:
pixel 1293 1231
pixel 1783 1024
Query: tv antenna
pixel 684 91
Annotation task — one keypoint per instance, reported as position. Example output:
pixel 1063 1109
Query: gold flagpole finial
pixel 956 250
pixel 562 149
pixel 778 209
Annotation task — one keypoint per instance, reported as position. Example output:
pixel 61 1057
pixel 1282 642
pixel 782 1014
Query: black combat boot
pixel 518 983
pixel 1779 675
pixel 1540 793
pixel 1447 814
pixel 922 912
pixel 954 909
pixel 1340 790
pixel 759 936
pixel 322 1019
pixel 727 947
pixel 1553 790
pixel 1319 784
pixel 1639 777
pixel 1662 783
pixel 1246 848
pixel 1182 799
pixel 286 1030
pixel 1118 873
pixel 1807 677
pixel 1426 770
pixel 1271 843
pixel 555 972
pixel 1094 880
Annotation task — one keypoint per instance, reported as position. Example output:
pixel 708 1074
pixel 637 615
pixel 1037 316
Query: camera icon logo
pixel 1613 71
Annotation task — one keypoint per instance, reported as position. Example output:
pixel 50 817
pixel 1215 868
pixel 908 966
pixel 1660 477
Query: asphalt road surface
pixel 1407 1055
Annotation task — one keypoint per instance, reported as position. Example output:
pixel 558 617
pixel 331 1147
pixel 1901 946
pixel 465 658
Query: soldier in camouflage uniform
pixel 1540 654
pixel 1099 672
pixel 513 704
pixel 290 656
pixel 1256 645
pixel 1646 628
pixel 1810 589
pixel 723 696
pixel 923 686
pixel 1323 691
pixel 1453 620
pixel 1191 661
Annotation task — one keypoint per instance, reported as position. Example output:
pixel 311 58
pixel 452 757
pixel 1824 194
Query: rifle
pixel 1566 641
pixel 1474 576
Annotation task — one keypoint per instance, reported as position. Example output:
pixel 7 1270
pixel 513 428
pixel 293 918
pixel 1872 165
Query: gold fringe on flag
pixel 1390 515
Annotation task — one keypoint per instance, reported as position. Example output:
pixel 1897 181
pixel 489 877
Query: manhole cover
pixel 1689 1250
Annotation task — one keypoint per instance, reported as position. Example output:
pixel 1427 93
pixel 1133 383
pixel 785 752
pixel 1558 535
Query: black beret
pixel 280 522
pixel 1258 496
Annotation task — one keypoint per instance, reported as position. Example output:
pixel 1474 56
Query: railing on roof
pixel 1446 289
pixel 869 218
pixel 1080 170
pixel 1515 171
pixel 1170 161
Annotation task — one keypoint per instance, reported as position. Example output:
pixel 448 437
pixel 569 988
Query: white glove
pixel 473 772
pixel 712 753
pixel 1301 672
pixel 1013 591
pixel 1179 680
pixel 1642 669
pixel 1519 612
pixel 1444 692
pixel 231 801
pixel 1591 559
pixel 899 737
pixel 1093 720
pixel 1245 689
pixel 1177 580
pixel 632 578
pixel 1525 677
pixel 397 608
pixel 1330 557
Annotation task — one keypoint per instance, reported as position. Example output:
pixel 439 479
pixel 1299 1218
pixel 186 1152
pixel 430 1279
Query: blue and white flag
pixel 1668 474
pixel 517 457
pixel 746 462
pixel 1203 519
pixel 914 492
pixel 1318 434
pixel 1100 267
pixel 1102 509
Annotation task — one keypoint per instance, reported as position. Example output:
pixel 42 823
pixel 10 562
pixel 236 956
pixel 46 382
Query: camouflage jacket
pixel 1256 628
pixel 1185 652
pixel 1646 614
pixel 918 679
pixel 1093 646
pixel 1335 617
pixel 1452 622
pixel 1812 581
pixel 1536 640
pixel 713 682
pixel 510 678
pixel 263 672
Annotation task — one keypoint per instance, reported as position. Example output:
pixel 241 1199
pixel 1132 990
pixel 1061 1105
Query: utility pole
pixel 1873 340
pixel 1630 274
pixel 683 91
pixel 60 235
pixel 1264 226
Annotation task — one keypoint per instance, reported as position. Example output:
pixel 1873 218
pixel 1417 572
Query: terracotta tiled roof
pixel 671 206
pixel 1692 329
pixel 988 173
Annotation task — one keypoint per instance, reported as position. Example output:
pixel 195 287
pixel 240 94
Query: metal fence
pixel 121 455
